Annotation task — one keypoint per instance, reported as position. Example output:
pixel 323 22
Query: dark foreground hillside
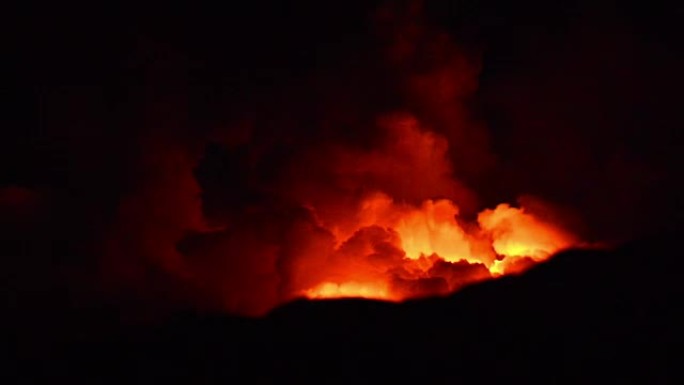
pixel 585 316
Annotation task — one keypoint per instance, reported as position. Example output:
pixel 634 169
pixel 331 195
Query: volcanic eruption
pixel 353 192
pixel 388 249
pixel 360 181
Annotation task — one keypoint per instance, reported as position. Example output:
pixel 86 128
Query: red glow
pixel 386 247
pixel 403 251
pixel 382 210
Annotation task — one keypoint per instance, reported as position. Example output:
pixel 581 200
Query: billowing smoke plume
pixel 319 194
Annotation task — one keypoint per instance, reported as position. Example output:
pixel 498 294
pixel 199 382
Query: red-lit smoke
pixel 313 215
pixel 389 249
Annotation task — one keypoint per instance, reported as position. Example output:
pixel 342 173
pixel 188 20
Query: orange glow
pixel 400 251
pixel 314 192
pixel 389 247
pixel 349 290
pixel 518 234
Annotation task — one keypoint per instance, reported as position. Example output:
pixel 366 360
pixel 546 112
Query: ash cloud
pixel 208 159
pixel 269 210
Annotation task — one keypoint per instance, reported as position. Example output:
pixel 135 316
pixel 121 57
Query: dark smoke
pixel 179 153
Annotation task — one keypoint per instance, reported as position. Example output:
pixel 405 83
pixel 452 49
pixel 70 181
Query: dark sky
pixel 577 103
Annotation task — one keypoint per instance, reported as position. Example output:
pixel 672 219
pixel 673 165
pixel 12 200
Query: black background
pixel 581 102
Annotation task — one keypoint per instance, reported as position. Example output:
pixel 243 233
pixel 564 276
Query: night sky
pixel 133 134
pixel 162 158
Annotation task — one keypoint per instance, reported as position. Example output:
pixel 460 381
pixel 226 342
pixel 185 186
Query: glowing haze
pixel 361 202
pixel 392 250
